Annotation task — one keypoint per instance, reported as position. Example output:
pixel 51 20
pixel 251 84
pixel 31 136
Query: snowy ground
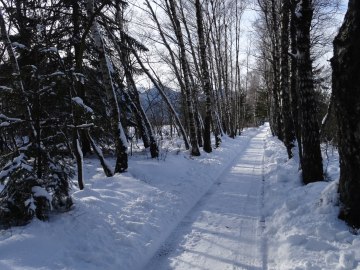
pixel 210 212
pixel 223 231
pixel 301 221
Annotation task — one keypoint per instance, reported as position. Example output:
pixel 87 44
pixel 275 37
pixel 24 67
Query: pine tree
pixel 36 162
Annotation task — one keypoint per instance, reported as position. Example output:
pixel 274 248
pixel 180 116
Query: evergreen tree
pixel 36 160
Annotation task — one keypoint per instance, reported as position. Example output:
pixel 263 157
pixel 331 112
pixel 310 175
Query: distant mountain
pixel 154 104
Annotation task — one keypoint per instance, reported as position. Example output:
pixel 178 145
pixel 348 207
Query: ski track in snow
pixel 224 230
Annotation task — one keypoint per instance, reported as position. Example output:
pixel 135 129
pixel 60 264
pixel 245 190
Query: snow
pixel 4 124
pixel 223 230
pixel 298 9
pixel 122 135
pixel 302 228
pixel 18 45
pixel 80 102
pixel 12 166
pixel 9 119
pixel 30 204
pixel 56 73
pixel 241 207
pixel 41 192
pixel 6 89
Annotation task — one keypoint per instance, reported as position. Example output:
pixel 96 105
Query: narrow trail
pixel 224 230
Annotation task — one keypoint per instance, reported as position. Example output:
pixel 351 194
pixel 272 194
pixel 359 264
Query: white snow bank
pixel 302 228
pixel 119 222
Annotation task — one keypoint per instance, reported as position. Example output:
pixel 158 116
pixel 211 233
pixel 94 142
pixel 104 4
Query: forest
pixel 112 79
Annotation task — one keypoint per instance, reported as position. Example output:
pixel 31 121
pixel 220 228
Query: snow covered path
pixel 224 230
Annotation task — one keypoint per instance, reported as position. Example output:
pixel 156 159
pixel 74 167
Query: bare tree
pixel 172 12
pixel 205 77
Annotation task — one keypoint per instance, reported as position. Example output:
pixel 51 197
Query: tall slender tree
pixel 205 77
pixel 311 163
pixel 185 68
pixel 287 127
pixel 111 93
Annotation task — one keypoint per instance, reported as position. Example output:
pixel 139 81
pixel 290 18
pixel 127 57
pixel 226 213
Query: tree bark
pixel 79 159
pixel 346 89
pixel 105 68
pixel 294 93
pixel 143 122
pixel 287 127
pixel 78 55
pixel 183 59
pixel 175 68
pixel 311 164
pixel 106 166
pixel 205 78
pixel 277 121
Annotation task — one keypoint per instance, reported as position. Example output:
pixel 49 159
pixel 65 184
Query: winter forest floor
pixel 241 207
pixel 223 230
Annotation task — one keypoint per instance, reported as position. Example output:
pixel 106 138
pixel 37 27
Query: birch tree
pixel 205 77
pixel 106 69
pixel 184 65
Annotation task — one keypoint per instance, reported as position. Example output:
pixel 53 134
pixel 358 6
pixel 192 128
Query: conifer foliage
pixel 61 95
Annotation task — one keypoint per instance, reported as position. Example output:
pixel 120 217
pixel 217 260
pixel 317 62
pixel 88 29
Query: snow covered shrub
pixel 36 127
pixel 32 189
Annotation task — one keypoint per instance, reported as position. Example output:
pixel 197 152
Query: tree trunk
pixel 277 121
pixel 106 166
pixel 160 88
pixel 346 89
pixel 78 55
pixel 143 121
pixel 294 93
pixel 175 67
pixel 287 127
pixel 79 159
pixel 311 164
pixel 105 68
pixel 205 78
pixel 183 59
